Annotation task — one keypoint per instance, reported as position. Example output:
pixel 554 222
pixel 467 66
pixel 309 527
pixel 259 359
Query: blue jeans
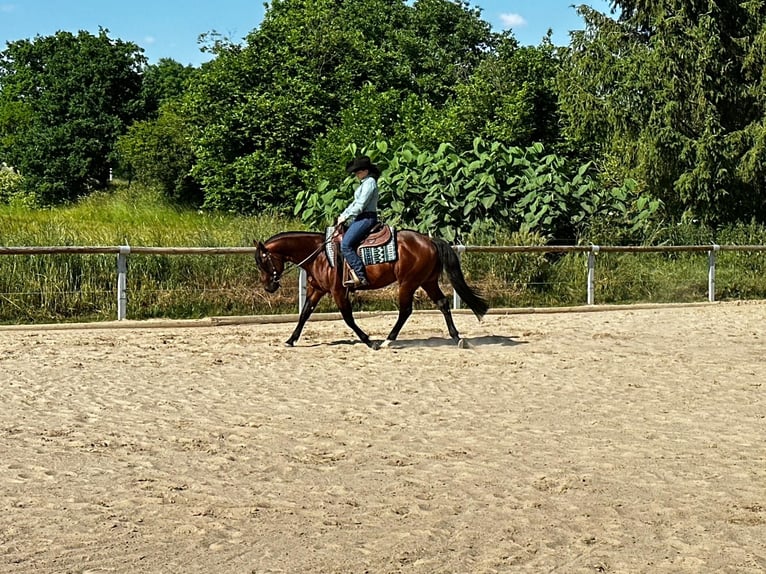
pixel 354 235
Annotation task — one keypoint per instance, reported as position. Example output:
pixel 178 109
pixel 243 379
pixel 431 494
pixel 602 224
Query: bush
pixel 452 193
pixel 10 184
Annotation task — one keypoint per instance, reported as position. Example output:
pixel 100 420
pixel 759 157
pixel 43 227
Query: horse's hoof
pixel 375 345
pixel 463 344
pixel 384 344
pixel 289 344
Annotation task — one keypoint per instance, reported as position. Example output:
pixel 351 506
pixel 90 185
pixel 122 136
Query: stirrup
pixel 355 281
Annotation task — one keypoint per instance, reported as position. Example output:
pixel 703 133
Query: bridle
pixel 277 277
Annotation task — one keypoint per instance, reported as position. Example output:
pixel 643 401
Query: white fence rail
pixel 124 251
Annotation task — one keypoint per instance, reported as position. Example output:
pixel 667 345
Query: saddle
pixel 380 234
pixel 378 247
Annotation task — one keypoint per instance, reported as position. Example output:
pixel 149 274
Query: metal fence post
pixel 122 282
pixel 711 272
pixel 459 249
pixel 592 273
pixel 302 279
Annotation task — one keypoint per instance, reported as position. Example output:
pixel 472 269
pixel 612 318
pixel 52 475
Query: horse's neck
pixel 296 248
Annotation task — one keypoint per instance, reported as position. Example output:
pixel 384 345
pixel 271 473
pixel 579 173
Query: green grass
pixel 43 288
pixel 60 288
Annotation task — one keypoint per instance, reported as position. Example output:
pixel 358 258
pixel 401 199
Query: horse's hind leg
pixel 433 290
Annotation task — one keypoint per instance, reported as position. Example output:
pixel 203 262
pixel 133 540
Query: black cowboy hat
pixel 358 164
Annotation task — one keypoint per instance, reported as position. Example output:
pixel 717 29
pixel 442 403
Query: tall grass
pixel 40 288
pixel 53 288
pixel 545 280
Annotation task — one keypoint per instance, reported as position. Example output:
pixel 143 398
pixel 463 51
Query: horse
pixel 420 263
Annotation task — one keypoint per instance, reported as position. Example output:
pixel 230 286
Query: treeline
pixel 655 113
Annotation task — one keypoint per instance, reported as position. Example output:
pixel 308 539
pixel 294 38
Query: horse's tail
pixel 451 264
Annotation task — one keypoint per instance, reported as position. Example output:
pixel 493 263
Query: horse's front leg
pixel 313 297
pixel 344 306
pixel 405 310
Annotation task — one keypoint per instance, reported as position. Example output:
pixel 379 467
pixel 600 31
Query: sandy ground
pixel 620 441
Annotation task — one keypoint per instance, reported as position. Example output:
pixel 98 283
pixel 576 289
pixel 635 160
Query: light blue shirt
pixel 365 199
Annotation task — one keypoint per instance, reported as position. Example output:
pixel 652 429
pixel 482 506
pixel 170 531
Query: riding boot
pixel 357 280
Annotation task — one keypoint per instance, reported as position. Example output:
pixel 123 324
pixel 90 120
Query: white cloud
pixel 149 40
pixel 513 20
pixel 7 8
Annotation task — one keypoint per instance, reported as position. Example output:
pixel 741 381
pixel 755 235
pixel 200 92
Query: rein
pixel 291 266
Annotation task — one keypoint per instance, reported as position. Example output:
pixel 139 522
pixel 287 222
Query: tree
pixel 258 109
pixel 752 167
pixel 74 95
pixel 165 80
pixel 510 98
pixel 672 93
pixel 157 152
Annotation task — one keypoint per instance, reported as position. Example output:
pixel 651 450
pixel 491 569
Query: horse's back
pixel 414 239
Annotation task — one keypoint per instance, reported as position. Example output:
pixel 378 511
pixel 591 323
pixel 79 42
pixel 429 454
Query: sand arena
pixel 617 441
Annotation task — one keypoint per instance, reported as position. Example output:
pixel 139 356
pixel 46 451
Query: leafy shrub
pixel 451 193
pixel 10 184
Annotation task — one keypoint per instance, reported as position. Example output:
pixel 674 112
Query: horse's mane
pixel 286 234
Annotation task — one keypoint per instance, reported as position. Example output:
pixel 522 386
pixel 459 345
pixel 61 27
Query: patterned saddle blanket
pixel 378 247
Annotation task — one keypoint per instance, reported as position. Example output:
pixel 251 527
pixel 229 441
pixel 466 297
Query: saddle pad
pixel 370 255
pixel 329 245
pixel 380 253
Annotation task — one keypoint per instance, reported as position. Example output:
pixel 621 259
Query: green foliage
pixel 75 95
pixel 371 116
pixel 158 153
pixel 452 195
pixel 248 132
pixel 166 80
pixel 675 90
pixel 510 98
pixel 440 46
pixel 10 184
pixel 311 70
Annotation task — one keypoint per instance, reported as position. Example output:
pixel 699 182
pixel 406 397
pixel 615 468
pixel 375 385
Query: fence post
pixel 592 273
pixel 711 272
pixel 460 249
pixel 122 281
pixel 302 279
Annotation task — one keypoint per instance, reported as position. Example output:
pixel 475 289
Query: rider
pixel 363 214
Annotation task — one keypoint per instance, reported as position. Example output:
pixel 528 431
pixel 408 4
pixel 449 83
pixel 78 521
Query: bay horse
pixel 420 263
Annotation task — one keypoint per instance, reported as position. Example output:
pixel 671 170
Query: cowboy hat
pixel 358 164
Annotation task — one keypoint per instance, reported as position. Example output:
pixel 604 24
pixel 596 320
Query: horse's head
pixel 271 266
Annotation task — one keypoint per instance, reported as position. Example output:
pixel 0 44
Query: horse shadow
pixel 437 342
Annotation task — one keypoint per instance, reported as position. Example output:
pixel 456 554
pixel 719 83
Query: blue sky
pixel 170 28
